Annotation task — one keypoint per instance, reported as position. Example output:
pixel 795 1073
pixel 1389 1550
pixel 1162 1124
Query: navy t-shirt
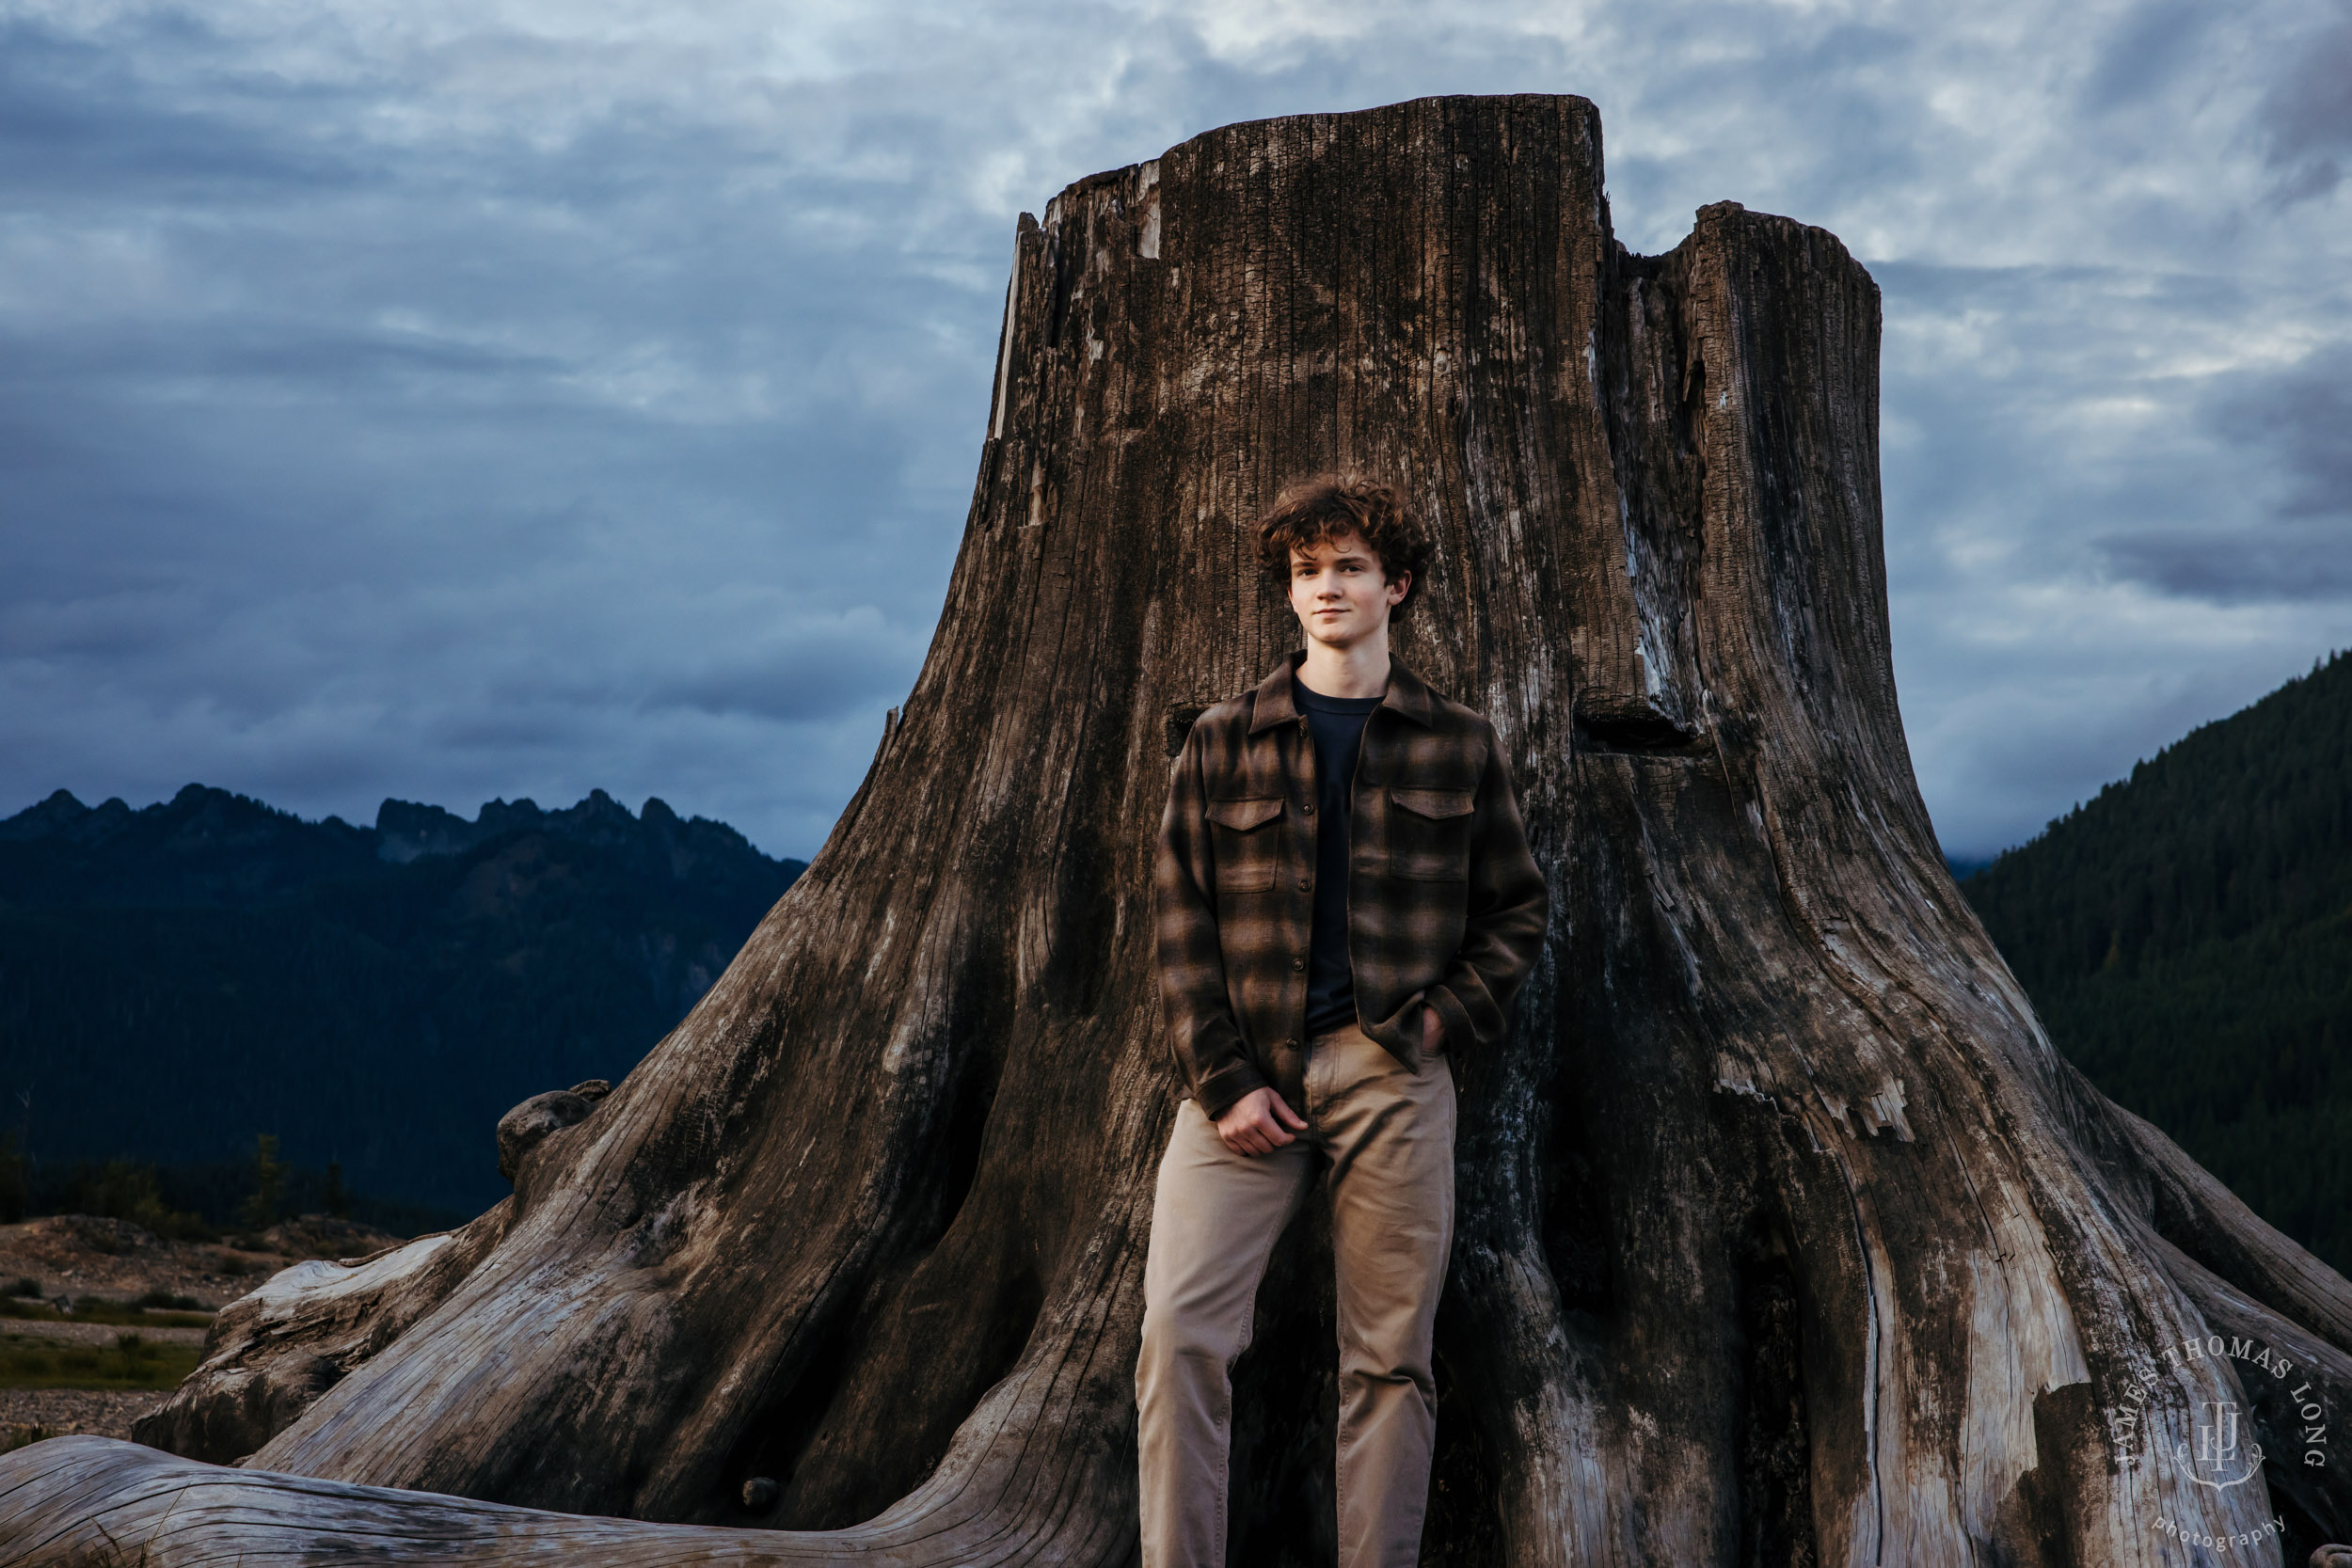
pixel 1337 724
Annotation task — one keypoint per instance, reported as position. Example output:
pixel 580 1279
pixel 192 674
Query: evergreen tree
pixel 15 1189
pixel 260 1210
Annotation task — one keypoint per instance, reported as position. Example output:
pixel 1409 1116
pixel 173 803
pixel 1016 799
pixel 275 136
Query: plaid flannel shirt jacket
pixel 1445 904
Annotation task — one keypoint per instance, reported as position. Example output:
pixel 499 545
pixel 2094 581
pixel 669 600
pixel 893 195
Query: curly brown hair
pixel 1327 506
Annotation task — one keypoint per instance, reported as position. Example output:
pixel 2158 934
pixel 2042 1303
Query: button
pixel 1310 808
pixel 1305 882
pixel 1298 963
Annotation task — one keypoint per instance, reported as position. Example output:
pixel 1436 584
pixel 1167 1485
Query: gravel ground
pixel 59 1412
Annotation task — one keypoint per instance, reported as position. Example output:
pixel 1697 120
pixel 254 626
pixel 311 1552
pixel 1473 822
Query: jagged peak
pixel 60 809
pixel 202 817
pixel 408 831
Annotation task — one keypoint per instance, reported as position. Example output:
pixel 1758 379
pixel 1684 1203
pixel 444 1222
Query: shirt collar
pixel 1276 704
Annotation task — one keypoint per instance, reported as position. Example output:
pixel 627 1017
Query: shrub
pixel 24 1288
pixel 22 1435
pixel 165 1299
pixel 128 1191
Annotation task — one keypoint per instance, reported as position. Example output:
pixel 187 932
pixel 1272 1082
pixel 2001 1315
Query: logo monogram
pixel 2218 1447
pixel 2218 1450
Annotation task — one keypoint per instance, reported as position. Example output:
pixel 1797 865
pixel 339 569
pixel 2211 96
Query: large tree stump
pixel 1784 1236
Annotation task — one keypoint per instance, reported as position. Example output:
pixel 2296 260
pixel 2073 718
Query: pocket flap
pixel 1439 803
pixel 1242 815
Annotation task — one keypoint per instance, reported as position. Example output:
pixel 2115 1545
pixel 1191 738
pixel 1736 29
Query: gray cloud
pixel 78 124
pixel 2148 54
pixel 457 401
pixel 2265 565
pixel 2290 433
pixel 2303 417
pixel 2306 116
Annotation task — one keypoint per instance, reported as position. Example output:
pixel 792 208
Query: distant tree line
pixel 203 1202
pixel 2187 936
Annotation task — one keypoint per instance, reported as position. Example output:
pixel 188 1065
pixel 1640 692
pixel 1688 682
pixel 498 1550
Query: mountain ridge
pixel 178 979
pixel 201 818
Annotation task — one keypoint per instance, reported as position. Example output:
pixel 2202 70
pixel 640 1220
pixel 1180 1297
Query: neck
pixel 1358 670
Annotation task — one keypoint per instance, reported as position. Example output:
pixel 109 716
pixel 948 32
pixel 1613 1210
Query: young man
pixel 1344 900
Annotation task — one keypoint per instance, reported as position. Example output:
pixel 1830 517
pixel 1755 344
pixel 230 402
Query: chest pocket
pixel 1246 844
pixel 1429 834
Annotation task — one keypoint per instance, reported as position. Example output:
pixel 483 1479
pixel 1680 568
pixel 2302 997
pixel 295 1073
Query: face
pixel 1339 592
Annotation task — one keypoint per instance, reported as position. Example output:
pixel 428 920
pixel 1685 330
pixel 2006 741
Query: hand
pixel 1432 1031
pixel 1254 1123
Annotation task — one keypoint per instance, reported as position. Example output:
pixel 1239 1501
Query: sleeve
pixel 1210 1059
pixel 1509 908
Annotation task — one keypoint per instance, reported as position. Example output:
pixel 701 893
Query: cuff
pixel 1459 1032
pixel 1225 1088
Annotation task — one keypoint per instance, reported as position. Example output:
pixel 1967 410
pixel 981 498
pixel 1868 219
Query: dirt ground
pixel 72 1256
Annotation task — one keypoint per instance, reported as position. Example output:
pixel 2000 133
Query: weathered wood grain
pixel 1784 1236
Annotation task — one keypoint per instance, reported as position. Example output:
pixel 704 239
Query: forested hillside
pixel 2187 938
pixel 178 981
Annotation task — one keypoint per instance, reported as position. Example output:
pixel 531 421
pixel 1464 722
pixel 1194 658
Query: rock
pixel 759 1494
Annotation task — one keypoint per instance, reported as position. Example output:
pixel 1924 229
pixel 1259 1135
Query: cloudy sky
pixel 511 397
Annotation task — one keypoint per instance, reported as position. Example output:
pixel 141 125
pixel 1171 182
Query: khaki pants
pixel 1388 1133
